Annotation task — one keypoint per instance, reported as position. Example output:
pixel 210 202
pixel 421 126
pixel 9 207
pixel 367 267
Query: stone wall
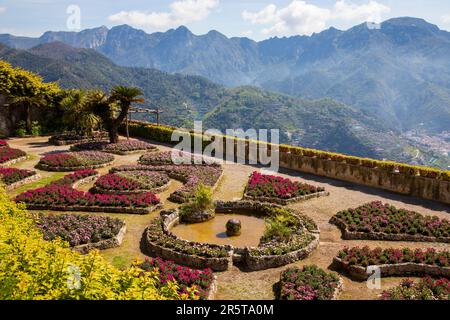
pixel 390 270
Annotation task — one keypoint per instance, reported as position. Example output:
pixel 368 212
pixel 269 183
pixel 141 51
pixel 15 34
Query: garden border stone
pixel 13 161
pixel 22 182
pixel 389 270
pixel 285 202
pixel 358 235
pixel 44 167
pixel 114 242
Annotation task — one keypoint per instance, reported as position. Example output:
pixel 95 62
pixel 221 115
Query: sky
pixel 256 19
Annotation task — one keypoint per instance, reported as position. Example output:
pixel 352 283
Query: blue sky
pixel 257 19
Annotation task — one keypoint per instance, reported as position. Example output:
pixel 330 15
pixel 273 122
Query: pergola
pixel 142 110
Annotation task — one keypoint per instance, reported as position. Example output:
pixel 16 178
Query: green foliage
pixel 280 227
pixel 202 201
pixel 32 268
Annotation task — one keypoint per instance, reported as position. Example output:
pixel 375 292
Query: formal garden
pixel 141 221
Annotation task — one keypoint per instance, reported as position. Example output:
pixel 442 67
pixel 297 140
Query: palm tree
pixel 36 101
pixel 79 113
pixel 122 97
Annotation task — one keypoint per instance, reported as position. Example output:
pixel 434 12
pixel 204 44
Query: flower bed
pixel 61 196
pixel 378 221
pixel 268 188
pixel 10 176
pixel 9 156
pixel 83 232
pixel 309 283
pixel 72 161
pixel 203 280
pixel 393 262
pixel 174 158
pixel 190 175
pixel 3 144
pixel 72 138
pixel 161 242
pixel 121 148
pixel 426 289
pixel 128 182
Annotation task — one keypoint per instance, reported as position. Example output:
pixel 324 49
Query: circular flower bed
pixel 11 176
pixel 426 289
pixel 300 239
pixel 174 158
pixel 122 148
pixel 80 230
pixel 71 161
pixel 127 182
pixel 309 283
pixel 3 144
pixel 279 190
pixel 186 278
pixel 393 262
pixel 8 155
pixel 378 221
pixel 73 138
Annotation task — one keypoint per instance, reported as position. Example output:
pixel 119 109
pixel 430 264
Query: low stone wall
pixel 358 235
pixel 13 161
pixel 287 201
pixel 421 187
pixel 70 169
pixel 237 255
pixel 130 210
pixel 390 270
pixel 23 182
pixel 256 263
pixel 104 244
pixel 85 181
pixel 212 289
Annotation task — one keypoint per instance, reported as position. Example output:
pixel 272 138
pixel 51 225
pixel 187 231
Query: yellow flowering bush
pixel 32 268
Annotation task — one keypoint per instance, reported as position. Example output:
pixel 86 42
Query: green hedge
pixel 164 133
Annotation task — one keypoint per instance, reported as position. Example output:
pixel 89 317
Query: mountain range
pixel 354 91
pixel 398 71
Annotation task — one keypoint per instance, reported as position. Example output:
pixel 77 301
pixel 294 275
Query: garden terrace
pixel 72 161
pixel 309 283
pixel 9 156
pixel 426 289
pixel 204 280
pixel 393 262
pixel 269 188
pixel 83 232
pixel 378 221
pixel 190 175
pixel 132 182
pixel 234 283
pixel 123 147
pixel 14 178
pixel 61 196
pixel 73 138
pixel 273 251
pixel 416 181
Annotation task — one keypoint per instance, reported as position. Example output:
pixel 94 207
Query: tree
pixel 37 101
pixel 119 103
pixel 79 114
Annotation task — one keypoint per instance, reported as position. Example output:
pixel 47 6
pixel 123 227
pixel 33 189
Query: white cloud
pixel 446 19
pixel 300 17
pixel 372 11
pixel 181 12
pixel 2 9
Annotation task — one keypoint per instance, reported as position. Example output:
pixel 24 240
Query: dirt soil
pixel 236 284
